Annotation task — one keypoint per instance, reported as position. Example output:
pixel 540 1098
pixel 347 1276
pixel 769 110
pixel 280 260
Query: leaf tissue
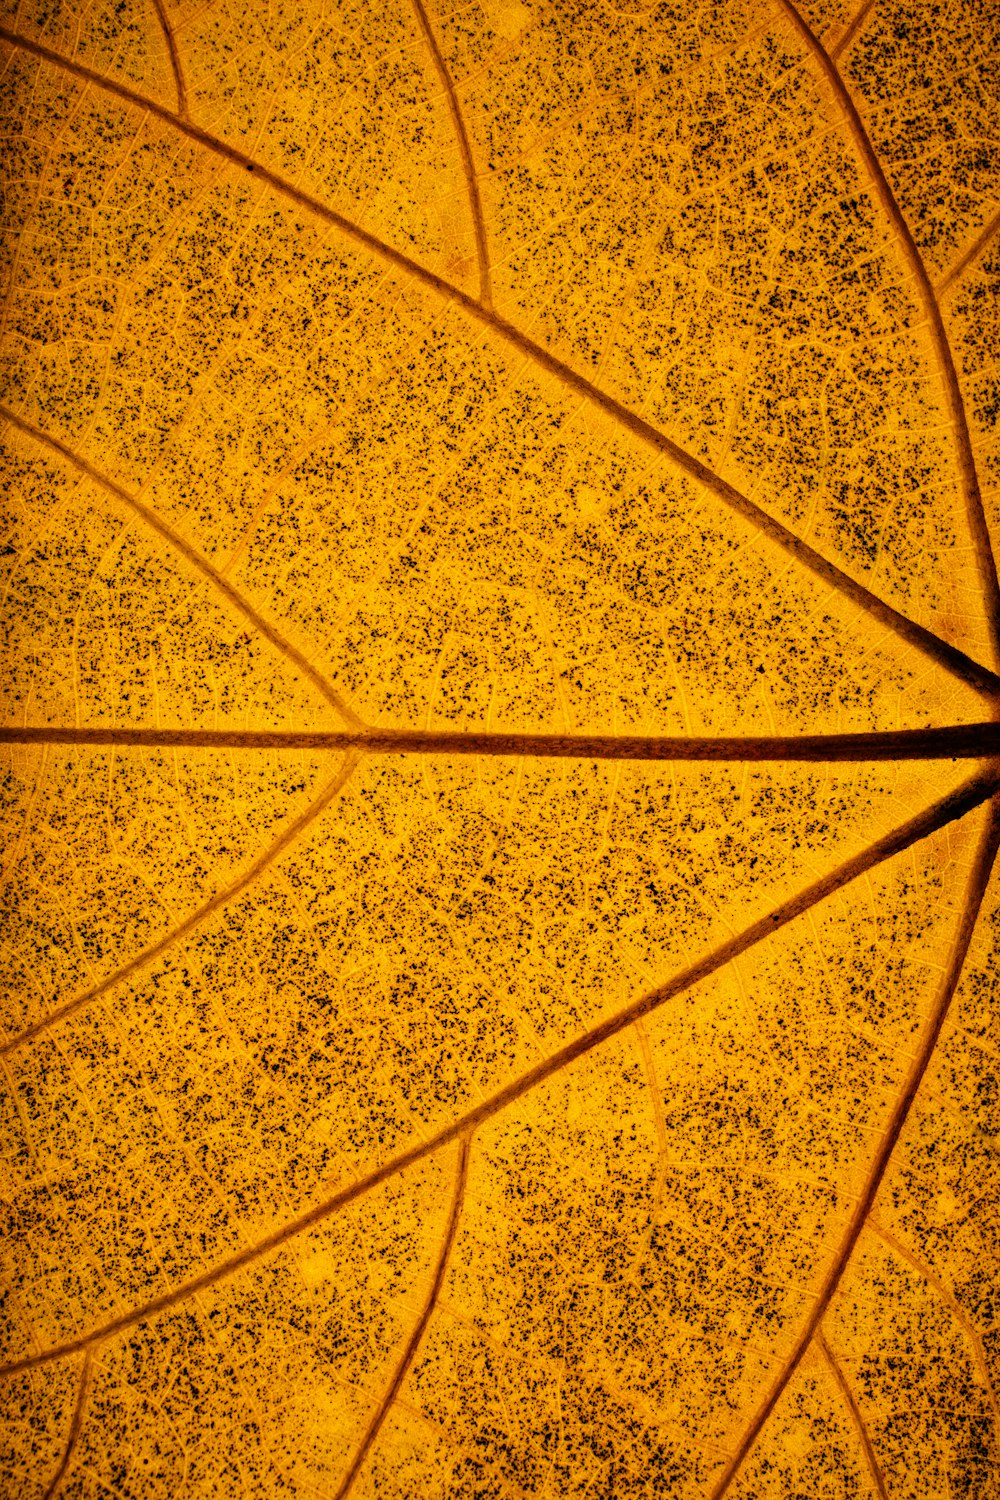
pixel 500 750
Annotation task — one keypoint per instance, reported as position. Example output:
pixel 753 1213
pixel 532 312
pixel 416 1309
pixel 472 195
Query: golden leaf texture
pixel 500 750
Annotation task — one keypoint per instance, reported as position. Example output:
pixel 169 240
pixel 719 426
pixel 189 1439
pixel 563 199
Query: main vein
pixel 953 742
pixel 961 665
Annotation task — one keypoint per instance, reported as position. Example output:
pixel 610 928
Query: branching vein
pixel 196 559
pixel 75 1427
pixel 844 41
pixel 977 889
pixel 983 679
pixel 465 148
pixel 953 1305
pixel 978 247
pixel 969 478
pixel 216 903
pixel 175 58
pixel 419 1328
pixel 855 1413
pixel 950 808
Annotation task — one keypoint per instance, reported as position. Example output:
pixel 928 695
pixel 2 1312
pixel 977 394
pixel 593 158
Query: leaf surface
pixel 436 1061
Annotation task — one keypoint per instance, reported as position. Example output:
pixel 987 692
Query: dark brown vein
pixel 972 254
pixel 197 561
pixel 856 1417
pixel 953 1305
pixel 464 146
pixel 845 41
pixel 974 509
pixel 177 934
pixel 175 58
pixel 950 808
pixel 955 742
pixel 420 1327
pixel 981 678
pixel 75 1427
pixel 977 889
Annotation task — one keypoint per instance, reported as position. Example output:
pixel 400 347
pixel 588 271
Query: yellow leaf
pixel 500 750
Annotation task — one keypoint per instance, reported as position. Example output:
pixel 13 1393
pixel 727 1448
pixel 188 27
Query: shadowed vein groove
pixel 178 934
pixel 954 742
pixel 950 808
pixel 856 1417
pixel 464 146
pixel 977 889
pixel 420 1327
pixel 972 254
pixel 194 557
pixel 175 58
pixel 75 1427
pixel 923 640
pixel 975 511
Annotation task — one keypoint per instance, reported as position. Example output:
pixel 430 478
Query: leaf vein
pixel 978 882
pixel 465 150
pixel 981 678
pixel 951 742
pixel 195 558
pixel 951 1302
pixel 177 934
pixel 419 1328
pixel 856 1417
pixel 847 37
pixel 978 247
pixel 175 58
pixel 968 476
pixel 948 810
pixel 75 1427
